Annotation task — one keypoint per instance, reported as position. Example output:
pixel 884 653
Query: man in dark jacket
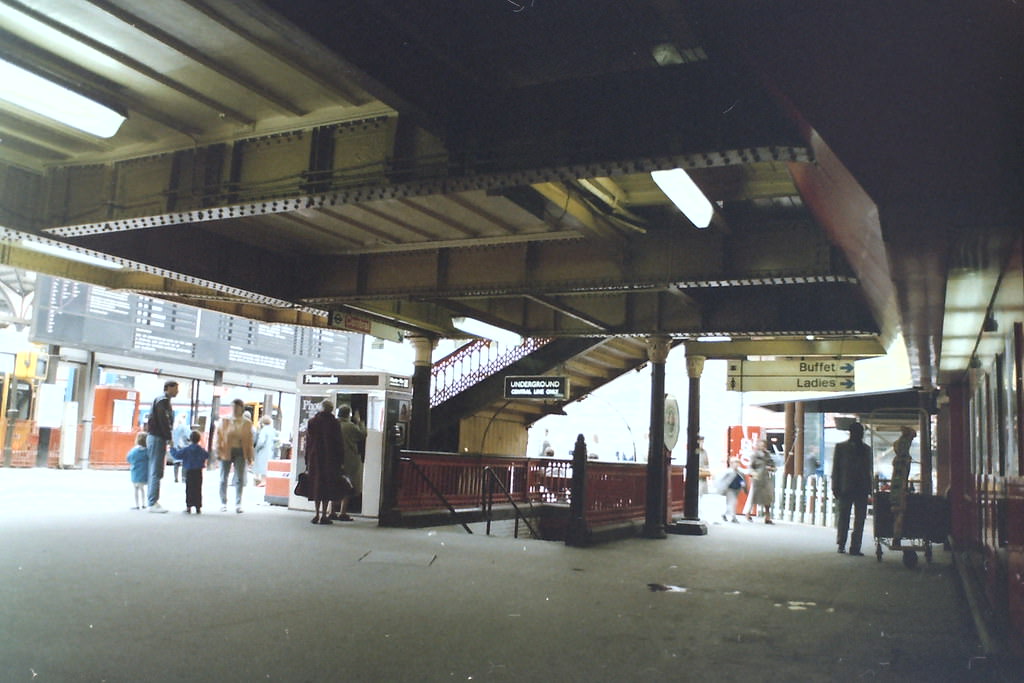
pixel 159 426
pixel 852 466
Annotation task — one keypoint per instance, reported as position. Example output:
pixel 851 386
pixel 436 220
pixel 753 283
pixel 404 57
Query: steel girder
pixel 358 161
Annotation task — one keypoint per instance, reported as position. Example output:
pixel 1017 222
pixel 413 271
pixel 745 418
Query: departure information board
pixel 78 315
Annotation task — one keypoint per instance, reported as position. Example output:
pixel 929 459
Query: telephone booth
pixel 382 400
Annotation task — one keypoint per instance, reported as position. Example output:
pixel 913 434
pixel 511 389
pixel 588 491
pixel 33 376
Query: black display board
pixel 78 315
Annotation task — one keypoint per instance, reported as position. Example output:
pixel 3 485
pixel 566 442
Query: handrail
pixel 474 362
pixel 489 503
pixel 436 492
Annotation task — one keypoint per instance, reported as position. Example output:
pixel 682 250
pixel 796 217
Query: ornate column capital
pixel 424 346
pixel 658 347
pixel 694 366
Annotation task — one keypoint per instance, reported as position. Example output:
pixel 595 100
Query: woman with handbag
pixel 324 451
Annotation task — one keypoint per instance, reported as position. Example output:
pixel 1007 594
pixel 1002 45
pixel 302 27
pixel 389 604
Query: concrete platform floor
pixel 93 591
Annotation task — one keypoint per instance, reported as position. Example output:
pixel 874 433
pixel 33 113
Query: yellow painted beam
pixel 593 223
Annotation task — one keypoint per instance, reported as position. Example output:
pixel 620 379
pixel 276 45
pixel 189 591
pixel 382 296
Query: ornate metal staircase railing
pixel 474 362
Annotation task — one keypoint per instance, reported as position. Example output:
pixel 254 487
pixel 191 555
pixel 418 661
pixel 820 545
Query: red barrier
pixel 25 443
pixel 617 492
pixel 459 478
pixel 614 492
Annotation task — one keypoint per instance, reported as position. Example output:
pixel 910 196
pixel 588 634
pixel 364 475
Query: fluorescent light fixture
pixel 714 338
pixel 479 328
pixel 44 97
pixel 53 249
pixel 684 193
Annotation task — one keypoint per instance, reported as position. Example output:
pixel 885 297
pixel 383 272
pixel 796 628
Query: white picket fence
pixel 803 500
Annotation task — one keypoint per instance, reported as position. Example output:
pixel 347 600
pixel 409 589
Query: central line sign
pixel 537 387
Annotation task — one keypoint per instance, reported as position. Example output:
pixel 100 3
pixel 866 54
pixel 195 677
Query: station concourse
pixel 100 592
pixel 404 169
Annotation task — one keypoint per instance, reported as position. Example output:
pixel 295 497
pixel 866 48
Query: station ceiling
pixel 405 162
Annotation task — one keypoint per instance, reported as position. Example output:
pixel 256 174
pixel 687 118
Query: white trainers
pixel 157 508
pixel 223 508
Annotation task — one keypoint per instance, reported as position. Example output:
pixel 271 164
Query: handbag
pixel 720 484
pixel 345 486
pixel 302 485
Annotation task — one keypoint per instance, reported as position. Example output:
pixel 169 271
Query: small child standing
pixel 138 459
pixel 193 461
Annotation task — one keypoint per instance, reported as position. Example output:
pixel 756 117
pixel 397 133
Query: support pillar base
pixel 656 532
pixel 687 527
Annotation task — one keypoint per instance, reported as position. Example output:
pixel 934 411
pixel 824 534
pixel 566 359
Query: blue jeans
pixel 238 460
pixel 157 449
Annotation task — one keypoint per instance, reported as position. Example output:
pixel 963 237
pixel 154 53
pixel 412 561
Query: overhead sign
pixel 791 375
pixel 78 315
pixel 537 387
pixel 356 323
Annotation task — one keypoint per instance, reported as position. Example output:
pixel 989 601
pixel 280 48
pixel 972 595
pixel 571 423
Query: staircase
pixel 468 408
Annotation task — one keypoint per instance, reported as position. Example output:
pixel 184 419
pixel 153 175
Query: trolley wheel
pixel 878 551
pixel 909 559
pixel 928 552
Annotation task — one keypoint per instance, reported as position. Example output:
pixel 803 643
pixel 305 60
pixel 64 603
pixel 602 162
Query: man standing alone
pixel 159 425
pixel 851 485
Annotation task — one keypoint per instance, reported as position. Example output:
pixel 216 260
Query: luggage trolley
pixel 925 521
pixel 925 518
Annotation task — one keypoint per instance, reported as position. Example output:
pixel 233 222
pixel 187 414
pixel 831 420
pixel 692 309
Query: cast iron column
pixel 654 518
pixel 419 422
pixel 691 525
pixel 694 368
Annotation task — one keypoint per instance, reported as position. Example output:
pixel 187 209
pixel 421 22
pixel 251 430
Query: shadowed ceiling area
pixel 407 162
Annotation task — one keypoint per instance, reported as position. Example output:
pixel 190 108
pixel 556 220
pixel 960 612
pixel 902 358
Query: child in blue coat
pixel 193 462
pixel 138 459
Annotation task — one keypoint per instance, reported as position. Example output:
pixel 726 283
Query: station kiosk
pixel 382 400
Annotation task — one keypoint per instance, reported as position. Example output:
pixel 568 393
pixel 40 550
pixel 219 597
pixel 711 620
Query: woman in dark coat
pixel 324 451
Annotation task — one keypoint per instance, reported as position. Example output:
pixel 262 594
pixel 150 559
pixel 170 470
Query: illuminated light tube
pixel 44 97
pixel 714 338
pixel 51 249
pixel 479 328
pixel 684 193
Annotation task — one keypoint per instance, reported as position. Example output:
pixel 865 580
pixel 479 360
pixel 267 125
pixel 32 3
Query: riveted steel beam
pixel 124 273
pixel 569 311
pixel 219 200
pixel 20 191
pixel 790 253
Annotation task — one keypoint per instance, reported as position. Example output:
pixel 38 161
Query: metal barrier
pixel 549 480
pixel 459 477
pixel 613 492
pixel 410 465
pixel 24 446
pixel 491 480
pixel 617 492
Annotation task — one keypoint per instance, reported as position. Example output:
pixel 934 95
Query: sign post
pixel 791 375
